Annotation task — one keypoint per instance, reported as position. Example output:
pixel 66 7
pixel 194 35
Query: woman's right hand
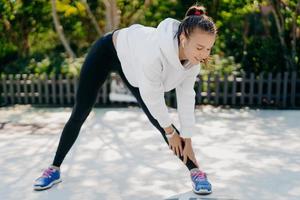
pixel 175 144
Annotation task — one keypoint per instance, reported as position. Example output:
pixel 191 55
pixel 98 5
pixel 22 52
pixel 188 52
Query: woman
pixel 150 61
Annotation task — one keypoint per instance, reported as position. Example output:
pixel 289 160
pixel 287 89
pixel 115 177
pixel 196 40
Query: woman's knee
pixel 80 112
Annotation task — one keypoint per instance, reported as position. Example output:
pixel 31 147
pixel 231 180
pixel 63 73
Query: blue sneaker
pixel 47 180
pixel 200 182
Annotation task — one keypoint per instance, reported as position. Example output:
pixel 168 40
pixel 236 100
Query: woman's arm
pixel 152 93
pixel 185 95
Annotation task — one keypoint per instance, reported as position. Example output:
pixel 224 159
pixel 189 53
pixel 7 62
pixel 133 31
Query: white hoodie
pixel 150 61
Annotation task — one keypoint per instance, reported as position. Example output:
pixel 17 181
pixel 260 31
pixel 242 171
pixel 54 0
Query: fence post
pixel 260 88
pixel 18 84
pixel 233 100
pixel 98 96
pixel 174 98
pixel 24 81
pixel 61 90
pixel 68 90
pixel 47 96
pixel 198 92
pixel 168 98
pixel 39 87
pixel 4 81
pixel 293 88
pixel 75 82
pixel 104 92
pixel 278 88
pixel 208 88
pixel 285 84
pixel 217 88
pixel 11 88
pixel 269 91
pixel 4 85
pixel 243 89
pixel 53 89
pixel 225 91
pixel 251 88
pixel 32 88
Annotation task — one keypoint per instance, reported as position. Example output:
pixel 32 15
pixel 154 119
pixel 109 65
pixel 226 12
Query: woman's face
pixel 198 46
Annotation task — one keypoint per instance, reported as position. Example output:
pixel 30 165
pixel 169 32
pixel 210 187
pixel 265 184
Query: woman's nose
pixel 205 55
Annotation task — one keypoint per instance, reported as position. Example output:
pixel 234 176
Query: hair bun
pixel 196 11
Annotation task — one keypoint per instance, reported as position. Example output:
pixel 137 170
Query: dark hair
pixel 196 17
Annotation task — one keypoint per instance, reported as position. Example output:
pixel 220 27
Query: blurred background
pixel 255 59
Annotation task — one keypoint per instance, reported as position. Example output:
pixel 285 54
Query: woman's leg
pixel 94 72
pixel 135 91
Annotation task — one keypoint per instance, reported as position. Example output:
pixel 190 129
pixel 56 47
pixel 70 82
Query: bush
pixel 221 65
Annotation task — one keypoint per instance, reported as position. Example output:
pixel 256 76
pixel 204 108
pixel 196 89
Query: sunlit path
pixel 248 154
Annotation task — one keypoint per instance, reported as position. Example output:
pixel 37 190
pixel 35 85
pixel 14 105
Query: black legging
pixel 100 61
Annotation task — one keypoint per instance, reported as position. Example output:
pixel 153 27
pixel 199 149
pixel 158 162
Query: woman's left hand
pixel 188 151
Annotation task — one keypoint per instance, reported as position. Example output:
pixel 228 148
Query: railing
pixel 42 89
pixel 280 90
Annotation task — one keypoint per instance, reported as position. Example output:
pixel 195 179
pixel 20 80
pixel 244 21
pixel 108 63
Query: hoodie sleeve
pixel 152 93
pixel 185 95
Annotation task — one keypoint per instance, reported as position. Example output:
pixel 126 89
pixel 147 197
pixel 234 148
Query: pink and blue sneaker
pixel 200 182
pixel 49 178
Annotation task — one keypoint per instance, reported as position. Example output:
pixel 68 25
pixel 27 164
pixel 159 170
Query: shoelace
pixel 47 172
pixel 199 175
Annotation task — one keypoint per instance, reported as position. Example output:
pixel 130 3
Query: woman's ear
pixel 182 39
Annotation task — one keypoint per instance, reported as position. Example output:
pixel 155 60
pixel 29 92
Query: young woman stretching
pixel 150 61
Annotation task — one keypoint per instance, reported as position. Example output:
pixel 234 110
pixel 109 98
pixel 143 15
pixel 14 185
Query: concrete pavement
pixel 247 154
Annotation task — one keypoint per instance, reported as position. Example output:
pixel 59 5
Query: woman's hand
pixel 188 151
pixel 175 144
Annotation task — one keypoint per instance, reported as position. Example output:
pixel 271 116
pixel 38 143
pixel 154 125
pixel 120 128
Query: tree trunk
pixel 59 30
pixel 112 15
pixel 24 36
pixel 136 15
pixel 294 36
pixel 132 17
pixel 92 17
pixel 245 35
pixel 280 28
pixel 25 43
pixel 265 11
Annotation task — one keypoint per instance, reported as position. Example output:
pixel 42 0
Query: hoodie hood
pixel 168 43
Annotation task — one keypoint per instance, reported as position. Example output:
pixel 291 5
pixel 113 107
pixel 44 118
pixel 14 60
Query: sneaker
pixel 200 182
pixel 47 180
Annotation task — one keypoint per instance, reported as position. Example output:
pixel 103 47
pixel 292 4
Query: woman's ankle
pixel 55 167
pixel 194 170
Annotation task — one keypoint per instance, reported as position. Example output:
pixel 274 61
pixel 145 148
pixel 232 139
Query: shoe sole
pixel 39 188
pixel 202 192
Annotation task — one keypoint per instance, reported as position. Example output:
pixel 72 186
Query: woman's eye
pixel 199 49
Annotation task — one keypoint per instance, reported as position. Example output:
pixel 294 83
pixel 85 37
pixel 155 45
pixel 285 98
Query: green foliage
pixel 71 67
pixel 221 65
pixel 159 10
pixel 248 39
pixel 136 12
pixel 263 58
pixel 19 19
pixel 39 67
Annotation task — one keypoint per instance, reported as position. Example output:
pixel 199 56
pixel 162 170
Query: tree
pixel 92 17
pixel 112 15
pixel 60 32
pixel 19 19
pixel 295 59
pixel 286 14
